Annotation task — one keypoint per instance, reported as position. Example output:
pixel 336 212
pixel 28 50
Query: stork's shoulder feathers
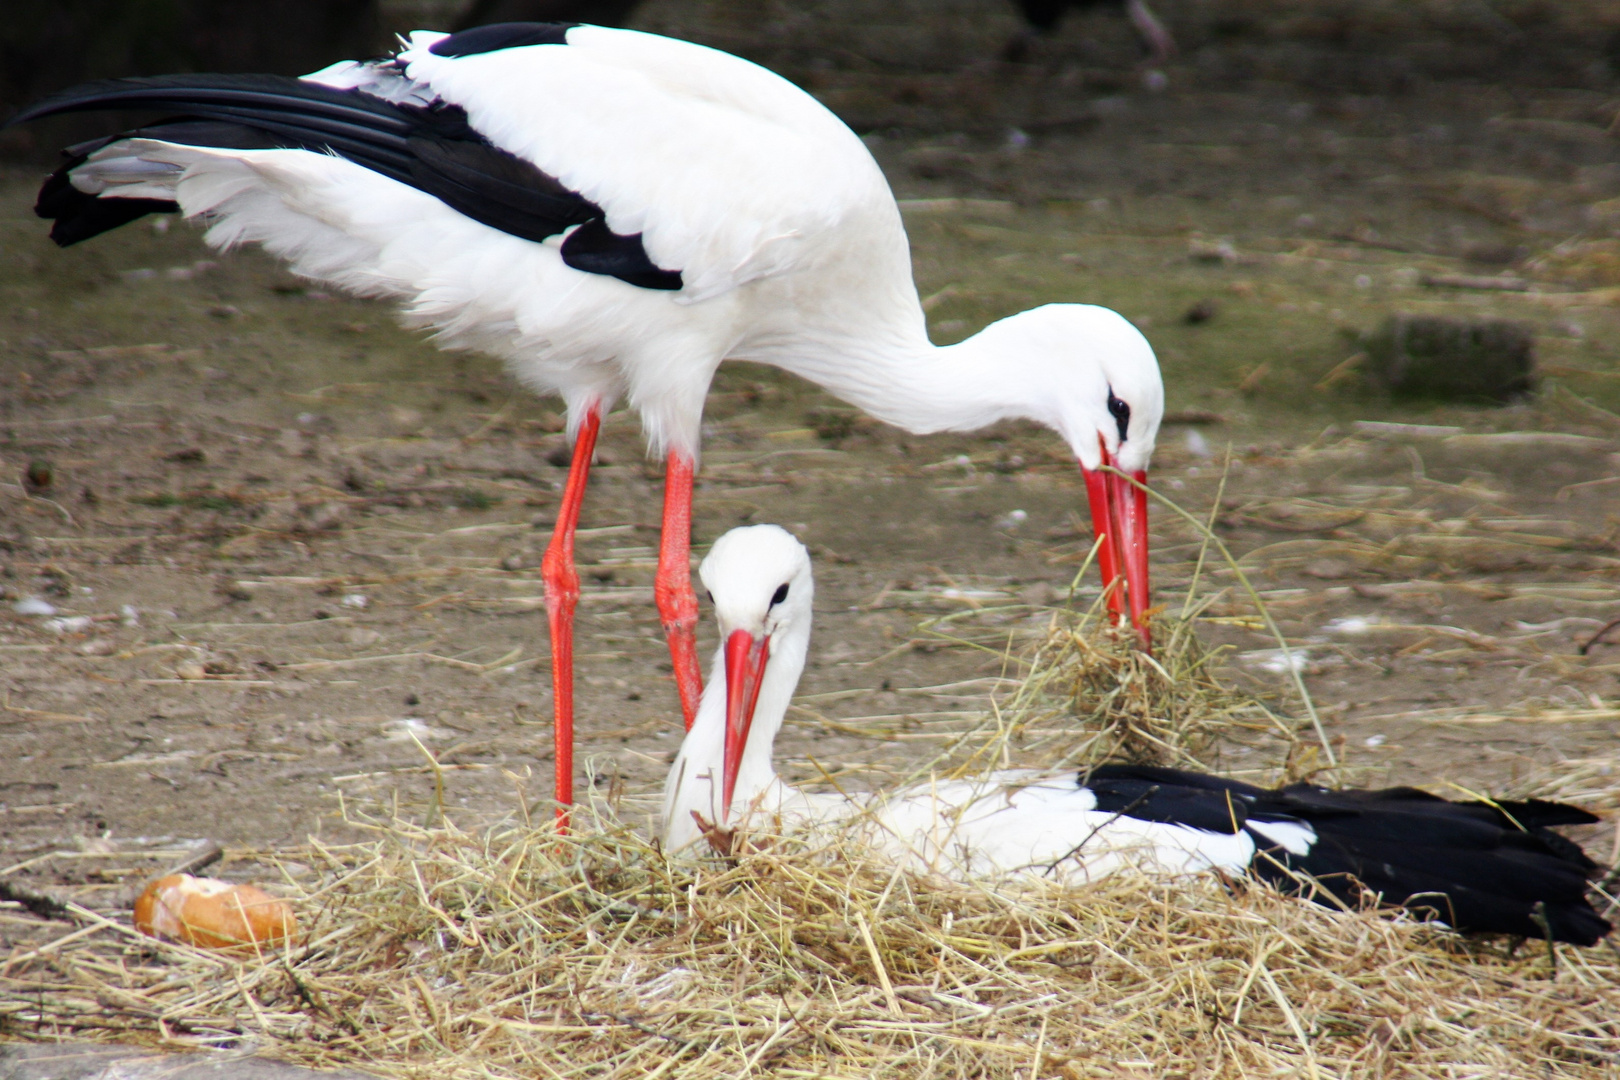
pixel 764 170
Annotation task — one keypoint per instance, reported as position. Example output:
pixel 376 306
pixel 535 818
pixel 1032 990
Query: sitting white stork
pixel 614 214
pixel 1482 866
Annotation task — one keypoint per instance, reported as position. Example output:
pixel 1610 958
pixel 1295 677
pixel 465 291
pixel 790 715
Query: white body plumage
pixel 784 230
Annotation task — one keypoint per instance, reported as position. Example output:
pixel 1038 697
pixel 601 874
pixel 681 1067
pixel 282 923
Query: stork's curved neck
pixel 898 376
pixel 856 328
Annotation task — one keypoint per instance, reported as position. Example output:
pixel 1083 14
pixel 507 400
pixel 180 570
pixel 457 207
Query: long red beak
pixel 1119 517
pixel 745 664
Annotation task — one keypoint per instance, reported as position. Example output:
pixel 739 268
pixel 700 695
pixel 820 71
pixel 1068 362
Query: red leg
pixel 562 596
pixel 677 604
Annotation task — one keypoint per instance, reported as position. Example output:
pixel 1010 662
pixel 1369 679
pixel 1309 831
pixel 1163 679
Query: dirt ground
pixel 277 536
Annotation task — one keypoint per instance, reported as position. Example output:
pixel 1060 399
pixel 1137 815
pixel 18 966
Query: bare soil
pixel 284 540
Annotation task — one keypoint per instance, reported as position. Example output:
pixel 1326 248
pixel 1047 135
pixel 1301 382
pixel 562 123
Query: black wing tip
pixel 1578 924
pixel 89 217
pixel 51 105
pixel 1540 813
pixel 1457 907
pixel 498 36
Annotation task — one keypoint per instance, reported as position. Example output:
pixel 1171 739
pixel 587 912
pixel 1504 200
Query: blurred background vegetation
pixel 1364 46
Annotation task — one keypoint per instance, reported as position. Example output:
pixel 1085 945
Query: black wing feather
pixel 1486 890
pixel 497 189
pixel 1158 774
pixel 277 95
pixel 76 216
pixel 596 249
pixel 1197 808
pixel 1488 867
pixel 431 148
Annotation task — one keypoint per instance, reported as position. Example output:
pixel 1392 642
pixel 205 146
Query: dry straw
pixel 512 953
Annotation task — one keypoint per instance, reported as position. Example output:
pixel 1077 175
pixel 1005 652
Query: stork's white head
pixel 760 582
pixel 1096 378
pixel 1097 384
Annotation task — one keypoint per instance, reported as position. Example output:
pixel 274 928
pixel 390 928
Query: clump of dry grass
pixel 515 953
pixel 1117 703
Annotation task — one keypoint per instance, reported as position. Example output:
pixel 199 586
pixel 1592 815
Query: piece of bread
pixel 214 914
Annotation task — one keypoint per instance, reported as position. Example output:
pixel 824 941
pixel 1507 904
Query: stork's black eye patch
pixel 1121 413
pixel 779 595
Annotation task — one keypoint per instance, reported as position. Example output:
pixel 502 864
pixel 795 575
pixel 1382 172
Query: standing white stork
pixel 1484 866
pixel 614 213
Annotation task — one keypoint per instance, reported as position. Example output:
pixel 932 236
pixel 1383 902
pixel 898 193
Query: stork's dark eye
pixel 779 595
pixel 709 594
pixel 1121 413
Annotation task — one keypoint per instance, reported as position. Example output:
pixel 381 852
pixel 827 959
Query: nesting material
pixel 512 952
pixel 214 914
pixel 1114 702
pixel 1451 359
pixel 515 954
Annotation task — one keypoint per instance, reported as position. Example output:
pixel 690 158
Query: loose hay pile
pixel 515 953
pixel 1113 702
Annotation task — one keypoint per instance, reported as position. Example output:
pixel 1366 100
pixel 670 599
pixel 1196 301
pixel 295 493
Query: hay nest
pixel 513 952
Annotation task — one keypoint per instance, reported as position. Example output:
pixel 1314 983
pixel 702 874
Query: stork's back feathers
pixel 614 213
pixel 430 147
